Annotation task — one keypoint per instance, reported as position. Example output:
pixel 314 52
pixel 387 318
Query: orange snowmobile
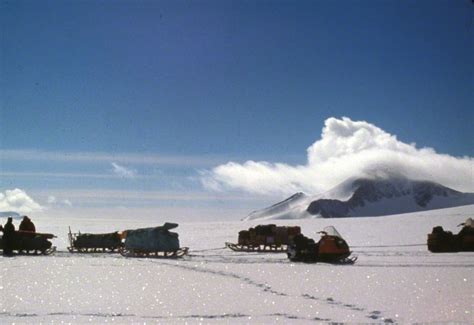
pixel 331 248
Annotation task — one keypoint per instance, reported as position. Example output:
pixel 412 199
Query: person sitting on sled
pixel 27 225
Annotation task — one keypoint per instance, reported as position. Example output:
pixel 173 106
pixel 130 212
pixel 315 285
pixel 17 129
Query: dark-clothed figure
pixel 27 225
pixel 8 237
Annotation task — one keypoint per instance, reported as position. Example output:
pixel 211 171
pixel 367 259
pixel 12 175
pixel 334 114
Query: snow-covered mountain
pixel 293 207
pixel 364 197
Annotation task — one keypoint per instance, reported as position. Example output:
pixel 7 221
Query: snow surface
pixel 395 279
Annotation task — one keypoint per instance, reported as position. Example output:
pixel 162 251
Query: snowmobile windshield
pixel 331 231
pixel 469 223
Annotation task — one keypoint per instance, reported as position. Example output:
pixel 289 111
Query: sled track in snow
pixel 192 317
pixel 372 315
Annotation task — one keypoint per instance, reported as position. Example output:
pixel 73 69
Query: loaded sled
pixel 441 241
pixel 94 243
pixel 30 243
pixel 157 242
pixel 265 239
pixel 331 248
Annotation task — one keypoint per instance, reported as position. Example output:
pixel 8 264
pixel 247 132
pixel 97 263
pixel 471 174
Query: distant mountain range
pixel 365 197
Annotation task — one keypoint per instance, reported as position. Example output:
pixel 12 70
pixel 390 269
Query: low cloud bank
pixel 123 172
pixel 17 200
pixel 346 149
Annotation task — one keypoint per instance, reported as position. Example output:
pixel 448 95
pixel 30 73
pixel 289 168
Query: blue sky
pixel 171 89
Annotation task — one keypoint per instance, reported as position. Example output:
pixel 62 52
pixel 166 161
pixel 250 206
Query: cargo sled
pixel 331 248
pixel 30 243
pixel 265 239
pixel 157 242
pixel 94 243
pixel 441 241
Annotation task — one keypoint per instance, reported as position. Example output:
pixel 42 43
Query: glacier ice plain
pixel 396 279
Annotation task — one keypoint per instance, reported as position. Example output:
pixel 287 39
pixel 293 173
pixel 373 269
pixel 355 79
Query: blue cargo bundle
pixel 152 242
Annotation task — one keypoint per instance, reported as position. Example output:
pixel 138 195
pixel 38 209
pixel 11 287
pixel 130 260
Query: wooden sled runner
pixel 47 251
pixel 153 254
pixel 257 248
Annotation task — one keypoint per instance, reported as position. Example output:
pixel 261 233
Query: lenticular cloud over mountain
pixel 346 149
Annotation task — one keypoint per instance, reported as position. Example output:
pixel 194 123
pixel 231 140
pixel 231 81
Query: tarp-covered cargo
pixel 268 235
pixel 109 240
pixel 153 239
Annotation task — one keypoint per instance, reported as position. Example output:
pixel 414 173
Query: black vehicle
pixel 441 241
pixel 30 243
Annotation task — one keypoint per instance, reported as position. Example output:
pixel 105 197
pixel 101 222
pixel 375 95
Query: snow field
pixel 396 279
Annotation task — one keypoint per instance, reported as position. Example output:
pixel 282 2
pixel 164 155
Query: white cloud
pixel 18 201
pixel 53 201
pixel 122 171
pixel 346 149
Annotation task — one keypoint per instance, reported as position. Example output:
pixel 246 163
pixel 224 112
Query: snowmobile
pixel 265 239
pixel 157 242
pixel 331 248
pixel 31 243
pixel 93 243
pixel 441 241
